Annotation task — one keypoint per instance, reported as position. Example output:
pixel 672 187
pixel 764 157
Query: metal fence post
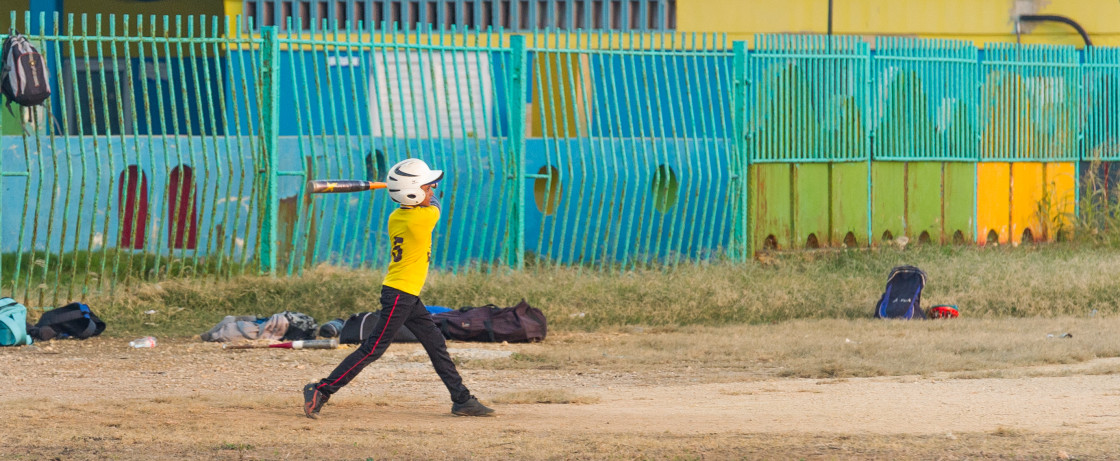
pixel 518 76
pixel 270 130
pixel 741 158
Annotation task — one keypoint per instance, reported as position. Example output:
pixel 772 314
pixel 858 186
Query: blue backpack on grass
pixel 902 298
pixel 13 323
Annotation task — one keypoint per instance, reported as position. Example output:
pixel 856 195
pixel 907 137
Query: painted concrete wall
pixel 978 21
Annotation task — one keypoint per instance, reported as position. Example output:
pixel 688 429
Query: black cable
pixel 1061 19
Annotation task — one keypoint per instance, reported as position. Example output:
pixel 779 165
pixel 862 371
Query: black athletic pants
pixel 399 309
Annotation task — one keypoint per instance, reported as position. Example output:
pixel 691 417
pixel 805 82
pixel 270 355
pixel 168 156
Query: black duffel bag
pixel 73 320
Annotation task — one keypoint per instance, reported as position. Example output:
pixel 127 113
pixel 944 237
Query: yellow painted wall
pixel 1013 197
pixel 1027 188
pixel 979 21
pixel 993 183
pixel 1060 191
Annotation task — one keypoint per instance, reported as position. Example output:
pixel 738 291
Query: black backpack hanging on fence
pixel 23 72
pixel 490 323
pixel 72 320
pixel 902 299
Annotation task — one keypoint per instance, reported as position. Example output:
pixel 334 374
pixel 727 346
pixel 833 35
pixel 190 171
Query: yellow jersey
pixel 410 247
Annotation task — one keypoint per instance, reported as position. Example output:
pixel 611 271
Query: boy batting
pixel 410 184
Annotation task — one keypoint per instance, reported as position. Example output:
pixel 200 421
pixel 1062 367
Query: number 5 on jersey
pixel 398 252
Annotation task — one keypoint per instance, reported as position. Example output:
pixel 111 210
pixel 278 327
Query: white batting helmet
pixel 405 179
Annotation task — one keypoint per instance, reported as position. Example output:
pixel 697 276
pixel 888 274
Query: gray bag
pixel 23 75
pixel 234 328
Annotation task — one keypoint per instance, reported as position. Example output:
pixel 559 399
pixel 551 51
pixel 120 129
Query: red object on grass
pixel 944 311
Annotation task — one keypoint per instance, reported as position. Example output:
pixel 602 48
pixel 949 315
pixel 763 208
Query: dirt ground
pixel 185 399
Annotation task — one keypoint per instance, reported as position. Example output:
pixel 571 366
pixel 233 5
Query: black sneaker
pixel 313 400
pixel 471 408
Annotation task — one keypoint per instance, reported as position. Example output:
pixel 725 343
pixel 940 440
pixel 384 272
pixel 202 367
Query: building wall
pixel 978 21
pixel 149 7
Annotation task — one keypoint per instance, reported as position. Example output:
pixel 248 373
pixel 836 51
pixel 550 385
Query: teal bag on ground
pixel 13 323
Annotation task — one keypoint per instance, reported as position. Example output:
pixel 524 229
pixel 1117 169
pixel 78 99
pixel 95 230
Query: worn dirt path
pixel 184 396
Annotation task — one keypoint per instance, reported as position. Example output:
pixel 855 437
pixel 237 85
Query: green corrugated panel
pixel 1030 103
pixel 811 205
pixel 923 99
pixel 849 204
pixel 960 202
pixel 807 92
pixel 888 198
pixel 923 201
pixel 771 205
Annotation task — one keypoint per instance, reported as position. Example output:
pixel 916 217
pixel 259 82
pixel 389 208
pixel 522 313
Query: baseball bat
pixel 306 344
pixel 328 186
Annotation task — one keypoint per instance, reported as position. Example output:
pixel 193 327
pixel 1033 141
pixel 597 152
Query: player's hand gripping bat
pixel 327 186
pixel 306 344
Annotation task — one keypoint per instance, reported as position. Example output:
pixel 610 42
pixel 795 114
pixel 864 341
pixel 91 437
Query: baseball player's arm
pixel 435 202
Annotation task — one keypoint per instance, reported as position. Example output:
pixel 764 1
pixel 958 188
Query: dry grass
pixel 1056 280
pixel 837 348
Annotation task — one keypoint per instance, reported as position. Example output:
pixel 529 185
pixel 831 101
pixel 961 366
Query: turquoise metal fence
pixel 1102 104
pixel 809 99
pixel 142 164
pixel 180 146
pixel 1030 103
pixel 361 103
pixel 924 100
pixel 629 150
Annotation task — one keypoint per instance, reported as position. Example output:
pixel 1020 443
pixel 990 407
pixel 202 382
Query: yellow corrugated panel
pixel 1026 192
pixel 1061 189
pixel 993 185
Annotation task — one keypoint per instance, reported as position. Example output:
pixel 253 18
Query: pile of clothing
pixel 284 326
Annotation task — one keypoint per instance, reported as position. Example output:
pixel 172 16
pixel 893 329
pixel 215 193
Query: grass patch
pixel 1055 280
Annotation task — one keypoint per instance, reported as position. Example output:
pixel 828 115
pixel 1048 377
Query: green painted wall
pixel 810 210
pixel 888 200
pixel 923 200
pixel 771 203
pixel 849 202
pixel 960 199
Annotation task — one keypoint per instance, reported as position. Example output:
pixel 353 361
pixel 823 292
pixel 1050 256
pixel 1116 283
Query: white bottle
pixel 147 341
